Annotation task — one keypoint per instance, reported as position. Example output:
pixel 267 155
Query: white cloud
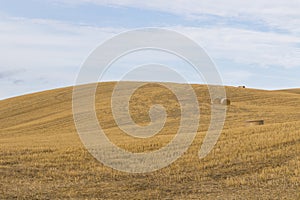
pixel 277 13
pixel 242 46
pixel 51 51
pixel 248 47
pixel 47 43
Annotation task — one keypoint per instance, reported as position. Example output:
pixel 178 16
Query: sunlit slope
pixel 42 155
pixel 295 91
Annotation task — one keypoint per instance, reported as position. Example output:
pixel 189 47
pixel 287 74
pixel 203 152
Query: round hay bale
pixel 255 122
pixel 242 86
pixel 225 102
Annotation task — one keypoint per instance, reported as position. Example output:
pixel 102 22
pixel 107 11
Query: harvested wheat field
pixel 42 156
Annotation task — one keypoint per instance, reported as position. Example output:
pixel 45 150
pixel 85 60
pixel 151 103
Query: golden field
pixel 42 156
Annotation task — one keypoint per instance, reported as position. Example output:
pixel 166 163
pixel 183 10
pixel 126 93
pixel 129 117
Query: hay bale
pixel 255 122
pixel 242 86
pixel 225 102
pixel 221 101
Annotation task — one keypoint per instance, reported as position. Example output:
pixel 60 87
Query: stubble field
pixel 42 156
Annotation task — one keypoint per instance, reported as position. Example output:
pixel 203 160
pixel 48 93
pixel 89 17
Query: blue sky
pixel 44 43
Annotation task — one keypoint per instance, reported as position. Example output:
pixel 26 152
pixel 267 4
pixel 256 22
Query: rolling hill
pixel 295 91
pixel 42 156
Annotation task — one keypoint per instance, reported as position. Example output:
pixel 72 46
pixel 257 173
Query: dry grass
pixel 43 158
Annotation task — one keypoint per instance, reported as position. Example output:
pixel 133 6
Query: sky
pixel 44 43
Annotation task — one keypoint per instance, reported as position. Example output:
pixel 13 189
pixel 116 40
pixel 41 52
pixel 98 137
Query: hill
pixel 295 91
pixel 42 156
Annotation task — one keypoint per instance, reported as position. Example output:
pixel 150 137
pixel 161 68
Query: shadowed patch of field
pixel 42 156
